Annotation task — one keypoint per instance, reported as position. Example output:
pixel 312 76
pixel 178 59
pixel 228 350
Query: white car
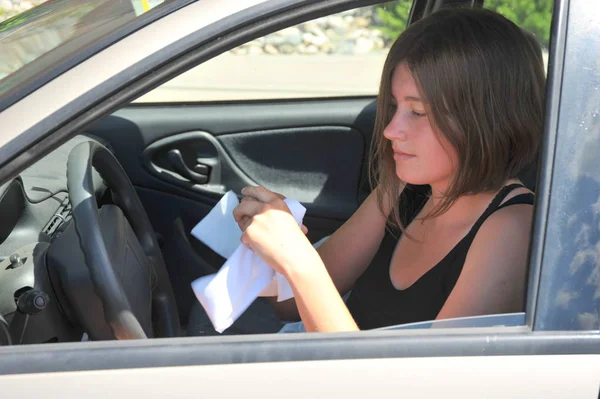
pixel 173 103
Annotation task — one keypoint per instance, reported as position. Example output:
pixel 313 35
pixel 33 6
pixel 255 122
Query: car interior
pixel 155 171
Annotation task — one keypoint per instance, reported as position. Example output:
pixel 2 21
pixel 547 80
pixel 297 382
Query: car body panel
pixel 573 376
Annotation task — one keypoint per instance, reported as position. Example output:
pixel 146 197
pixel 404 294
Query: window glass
pixel 535 16
pixel 37 36
pixel 335 56
pixel 569 293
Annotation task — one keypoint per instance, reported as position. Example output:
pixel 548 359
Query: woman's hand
pixel 271 231
pixel 243 222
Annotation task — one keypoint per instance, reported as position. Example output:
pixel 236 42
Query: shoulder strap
pixel 495 205
pixel 527 198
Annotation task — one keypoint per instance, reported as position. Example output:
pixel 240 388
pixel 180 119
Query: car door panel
pixel 531 377
pixel 183 158
pixel 319 165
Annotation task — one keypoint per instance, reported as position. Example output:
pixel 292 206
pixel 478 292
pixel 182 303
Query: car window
pixel 38 35
pixel 335 56
pixel 569 294
pixel 535 16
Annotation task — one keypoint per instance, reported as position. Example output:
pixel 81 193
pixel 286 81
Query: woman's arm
pixel 344 255
pixel 317 299
pixel 495 271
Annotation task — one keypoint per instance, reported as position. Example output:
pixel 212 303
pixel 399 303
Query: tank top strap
pixel 494 205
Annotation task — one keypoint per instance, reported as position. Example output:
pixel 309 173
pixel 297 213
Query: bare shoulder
pixel 507 229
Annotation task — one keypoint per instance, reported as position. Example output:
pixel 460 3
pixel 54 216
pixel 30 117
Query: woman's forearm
pixel 319 303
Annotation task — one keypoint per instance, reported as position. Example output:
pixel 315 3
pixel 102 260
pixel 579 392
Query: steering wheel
pixel 120 285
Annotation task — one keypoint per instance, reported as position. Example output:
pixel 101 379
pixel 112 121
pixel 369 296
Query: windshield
pixel 53 33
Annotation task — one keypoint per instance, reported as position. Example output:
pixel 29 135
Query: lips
pixel 402 156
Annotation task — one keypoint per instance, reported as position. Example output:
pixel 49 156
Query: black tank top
pixel 375 302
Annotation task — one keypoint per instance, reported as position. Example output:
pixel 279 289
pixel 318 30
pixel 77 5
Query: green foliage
pixel 393 16
pixel 533 15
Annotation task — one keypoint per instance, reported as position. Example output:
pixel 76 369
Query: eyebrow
pixel 408 98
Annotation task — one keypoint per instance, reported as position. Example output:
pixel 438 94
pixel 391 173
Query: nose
pixel 395 131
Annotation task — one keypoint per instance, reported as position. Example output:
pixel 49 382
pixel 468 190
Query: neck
pixel 462 208
pixel 438 190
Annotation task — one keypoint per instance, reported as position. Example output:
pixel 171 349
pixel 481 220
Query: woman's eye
pixel 416 113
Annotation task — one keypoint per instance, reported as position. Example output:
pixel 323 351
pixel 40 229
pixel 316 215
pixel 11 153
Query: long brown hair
pixel 483 81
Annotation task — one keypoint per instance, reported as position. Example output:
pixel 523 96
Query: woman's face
pixel 421 156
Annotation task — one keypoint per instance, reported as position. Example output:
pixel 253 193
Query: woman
pixel 445 231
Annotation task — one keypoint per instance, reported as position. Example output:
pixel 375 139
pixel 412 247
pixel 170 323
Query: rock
pixel 332 35
pixel 25 5
pixel 364 33
pixel 257 42
pixel 322 22
pixel 362 22
pixel 337 22
pixel 301 48
pixel 344 33
pixel 351 32
pixel 363 46
pixel 346 47
pixel 270 49
pixel 311 49
pixel 310 27
pixel 291 31
pixel 255 50
pixel 291 35
pixel 240 51
pixel 287 48
pixel 326 48
pixel 310 38
pixel 317 31
pixel 294 40
pixel 274 39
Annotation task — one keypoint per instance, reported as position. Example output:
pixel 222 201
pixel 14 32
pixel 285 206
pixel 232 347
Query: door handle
pixel 198 175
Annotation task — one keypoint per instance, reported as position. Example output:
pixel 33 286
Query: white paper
pixel 218 230
pixel 244 276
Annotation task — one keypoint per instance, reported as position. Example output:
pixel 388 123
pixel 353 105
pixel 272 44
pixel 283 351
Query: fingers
pixel 244 223
pixel 260 193
pixel 245 211
pixel 304 229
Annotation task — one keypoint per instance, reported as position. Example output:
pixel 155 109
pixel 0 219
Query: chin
pixel 410 177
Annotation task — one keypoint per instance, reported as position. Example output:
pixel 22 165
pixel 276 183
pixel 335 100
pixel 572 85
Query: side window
pixel 535 16
pixel 335 56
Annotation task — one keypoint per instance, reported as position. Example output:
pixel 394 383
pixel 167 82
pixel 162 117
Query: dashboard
pixel 34 211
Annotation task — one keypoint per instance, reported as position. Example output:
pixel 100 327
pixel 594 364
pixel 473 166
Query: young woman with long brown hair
pixel 445 231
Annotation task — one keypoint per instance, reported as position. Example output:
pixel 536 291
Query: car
pixel 123 122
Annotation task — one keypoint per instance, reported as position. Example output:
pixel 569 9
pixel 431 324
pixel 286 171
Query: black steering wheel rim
pixel 83 159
